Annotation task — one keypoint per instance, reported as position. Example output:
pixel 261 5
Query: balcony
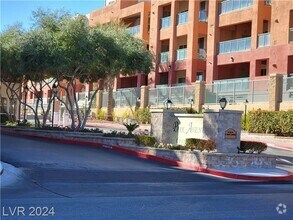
pixel 234 5
pixel 182 54
pixel 202 54
pixel 165 57
pixel 203 16
pixel 183 17
pixel 166 22
pixel 134 30
pixel 264 40
pixel 237 45
pixel 291 35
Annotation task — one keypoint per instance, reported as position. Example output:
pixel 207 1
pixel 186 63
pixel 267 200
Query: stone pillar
pixel 110 103
pixel 224 128
pixel 275 91
pixel 99 98
pixel 163 125
pixel 144 96
pixel 199 95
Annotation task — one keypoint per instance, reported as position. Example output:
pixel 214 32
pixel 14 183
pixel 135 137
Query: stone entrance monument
pixel 221 126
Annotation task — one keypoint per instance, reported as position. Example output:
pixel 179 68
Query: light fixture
pixel 168 103
pixel 191 101
pixel 223 103
pixel 231 59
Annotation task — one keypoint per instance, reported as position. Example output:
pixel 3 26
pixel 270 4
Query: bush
pixel 24 123
pixel 143 115
pixel 4 118
pixel 146 140
pixel 200 144
pixel 101 114
pixel 270 122
pixel 117 134
pixel 251 147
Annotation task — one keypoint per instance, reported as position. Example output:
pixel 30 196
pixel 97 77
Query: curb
pixel 218 173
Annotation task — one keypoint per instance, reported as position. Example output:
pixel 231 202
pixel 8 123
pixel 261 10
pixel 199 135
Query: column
pixel 275 91
pixel 199 95
pixel 144 96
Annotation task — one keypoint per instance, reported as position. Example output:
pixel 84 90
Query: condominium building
pixel 206 39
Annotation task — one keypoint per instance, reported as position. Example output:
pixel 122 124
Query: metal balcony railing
pixel 234 5
pixel 268 2
pixel 183 17
pixel 134 30
pixel 202 54
pixel 203 16
pixel 291 35
pixel 264 40
pixel 166 22
pixel 165 57
pixel 237 45
pixel 182 54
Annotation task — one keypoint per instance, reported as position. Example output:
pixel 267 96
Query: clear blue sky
pixel 20 11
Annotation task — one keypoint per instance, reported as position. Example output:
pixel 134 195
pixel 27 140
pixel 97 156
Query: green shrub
pixel 143 115
pixel 24 123
pixel 101 114
pixel 146 140
pixel 200 144
pixel 4 118
pixel 9 123
pixel 252 147
pixel 190 111
pixel 270 122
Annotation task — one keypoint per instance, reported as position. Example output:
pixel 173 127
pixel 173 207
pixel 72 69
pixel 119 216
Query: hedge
pixel 252 147
pixel 200 144
pixel 270 122
pixel 146 140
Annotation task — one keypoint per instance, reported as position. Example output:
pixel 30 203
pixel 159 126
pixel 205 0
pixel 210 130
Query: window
pixel 263 70
pixel 181 80
pixel 199 76
pixel 182 46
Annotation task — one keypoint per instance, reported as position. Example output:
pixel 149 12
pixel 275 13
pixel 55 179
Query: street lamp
pixel 25 88
pixel 168 103
pixel 223 103
pixel 191 101
pixel 245 110
pixel 54 91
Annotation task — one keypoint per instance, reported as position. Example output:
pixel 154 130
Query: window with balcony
pixel 164 56
pixel 166 19
pixel 183 17
pixel 134 30
pixel 182 52
pixel 263 40
pixel 237 45
pixel 203 11
pixel 201 49
pixel 234 5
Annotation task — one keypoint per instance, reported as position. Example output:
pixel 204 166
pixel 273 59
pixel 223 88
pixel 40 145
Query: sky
pixel 20 11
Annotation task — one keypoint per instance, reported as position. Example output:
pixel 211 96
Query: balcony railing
pixel 166 22
pixel 234 5
pixel 203 15
pixel 183 17
pixel 291 35
pixel 268 2
pixel 182 54
pixel 202 54
pixel 134 30
pixel 165 57
pixel 264 40
pixel 236 45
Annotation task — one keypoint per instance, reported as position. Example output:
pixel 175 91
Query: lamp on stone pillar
pixel 223 103
pixel 191 101
pixel 168 103
pixel 245 111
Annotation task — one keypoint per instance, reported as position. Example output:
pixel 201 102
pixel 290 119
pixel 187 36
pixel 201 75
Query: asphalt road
pixel 95 183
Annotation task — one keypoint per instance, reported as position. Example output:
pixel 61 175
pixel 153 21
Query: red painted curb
pixel 288 177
